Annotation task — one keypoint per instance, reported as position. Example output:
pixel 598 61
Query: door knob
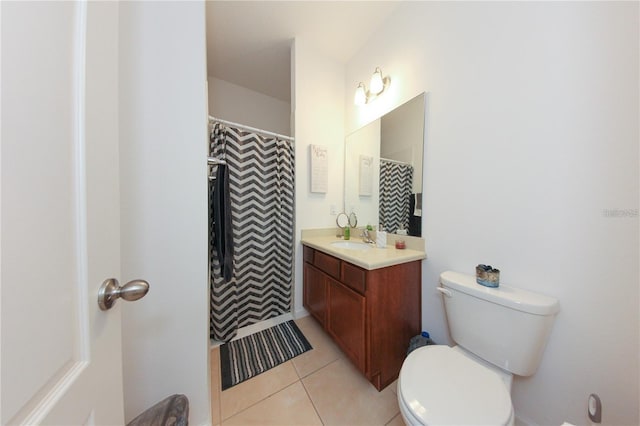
pixel 110 291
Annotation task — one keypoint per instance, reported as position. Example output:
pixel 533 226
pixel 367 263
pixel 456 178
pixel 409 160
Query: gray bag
pixel 420 340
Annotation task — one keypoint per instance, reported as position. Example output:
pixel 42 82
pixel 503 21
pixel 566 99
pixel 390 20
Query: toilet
pixel 499 332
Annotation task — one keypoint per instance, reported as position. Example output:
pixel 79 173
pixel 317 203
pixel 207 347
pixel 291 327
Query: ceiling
pixel 248 42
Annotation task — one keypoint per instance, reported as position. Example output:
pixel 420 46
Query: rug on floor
pixel 245 358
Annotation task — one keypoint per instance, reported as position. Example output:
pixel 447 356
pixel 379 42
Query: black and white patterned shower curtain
pixel 261 184
pixel 396 181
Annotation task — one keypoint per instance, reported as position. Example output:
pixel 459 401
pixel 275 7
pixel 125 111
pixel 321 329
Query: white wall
pixel 318 93
pixel 163 150
pixel 533 115
pixel 238 104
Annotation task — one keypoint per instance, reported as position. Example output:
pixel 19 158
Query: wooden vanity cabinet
pixel 370 314
pixel 315 293
pixel 346 321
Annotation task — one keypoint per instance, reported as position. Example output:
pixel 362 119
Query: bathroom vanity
pixel 368 301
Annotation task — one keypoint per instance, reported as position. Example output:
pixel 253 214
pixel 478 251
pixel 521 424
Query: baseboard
pixel 300 313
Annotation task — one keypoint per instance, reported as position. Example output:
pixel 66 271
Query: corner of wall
pixel 163 170
pixel 318 119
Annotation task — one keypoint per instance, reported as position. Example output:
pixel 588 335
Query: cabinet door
pixel 315 293
pixel 346 321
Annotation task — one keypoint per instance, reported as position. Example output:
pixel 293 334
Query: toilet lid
pixel 442 386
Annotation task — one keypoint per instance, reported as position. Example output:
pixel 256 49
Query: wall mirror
pixel 383 170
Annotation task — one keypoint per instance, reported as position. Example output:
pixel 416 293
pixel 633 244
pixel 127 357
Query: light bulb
pixel 361 96
pixel 377 85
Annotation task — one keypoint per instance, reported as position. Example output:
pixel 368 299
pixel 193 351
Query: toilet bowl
pixel 441 385
pixel 499 332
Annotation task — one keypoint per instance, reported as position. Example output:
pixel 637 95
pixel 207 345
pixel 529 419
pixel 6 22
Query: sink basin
pixel 351 245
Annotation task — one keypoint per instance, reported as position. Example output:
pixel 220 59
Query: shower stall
pixel 251 225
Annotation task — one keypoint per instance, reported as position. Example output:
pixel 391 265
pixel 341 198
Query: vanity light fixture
pixel 361 95
pixel 377 86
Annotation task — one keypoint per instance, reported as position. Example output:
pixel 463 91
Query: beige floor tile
pixel 290 406
pixel 246 394
pixel 324 350
pixel 216 418
pixel 342 396
pixel 394 386
pixel 396 421
pixel 306 321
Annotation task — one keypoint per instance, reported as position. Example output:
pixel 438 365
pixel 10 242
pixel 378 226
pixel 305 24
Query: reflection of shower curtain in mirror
pixel 261 185
pixel 395 192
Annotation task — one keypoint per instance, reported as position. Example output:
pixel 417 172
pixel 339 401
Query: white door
pixel 61 360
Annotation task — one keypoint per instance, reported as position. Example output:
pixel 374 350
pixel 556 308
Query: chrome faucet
pixel 366 237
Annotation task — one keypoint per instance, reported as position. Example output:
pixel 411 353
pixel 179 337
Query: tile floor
pixel 319 387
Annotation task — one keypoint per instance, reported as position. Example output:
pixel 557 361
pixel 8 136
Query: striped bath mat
pixel 247 357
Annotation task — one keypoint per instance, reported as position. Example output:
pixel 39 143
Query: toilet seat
pixel 440 385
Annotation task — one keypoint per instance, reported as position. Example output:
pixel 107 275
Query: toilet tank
pixel 506 326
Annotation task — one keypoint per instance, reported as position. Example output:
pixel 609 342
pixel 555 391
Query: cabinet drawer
pixel 354 277
pixel 328 264
pixel 307 254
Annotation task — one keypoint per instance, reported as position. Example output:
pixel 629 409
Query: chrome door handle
pixel 110 291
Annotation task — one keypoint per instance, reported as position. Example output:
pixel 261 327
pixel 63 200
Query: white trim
pixel 302 312
pixel 84 345
pixel 57 391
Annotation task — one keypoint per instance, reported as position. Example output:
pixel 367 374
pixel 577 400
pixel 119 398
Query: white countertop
pixel 373 258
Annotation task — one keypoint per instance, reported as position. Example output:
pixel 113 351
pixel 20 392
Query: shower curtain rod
pixel 251 129
pixel 213 161
pixel 394 161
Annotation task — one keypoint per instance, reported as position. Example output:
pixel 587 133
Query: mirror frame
pixel 358 164
pixel 342 223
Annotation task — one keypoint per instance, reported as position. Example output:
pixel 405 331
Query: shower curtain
pixel 396 180
pixel 261 187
